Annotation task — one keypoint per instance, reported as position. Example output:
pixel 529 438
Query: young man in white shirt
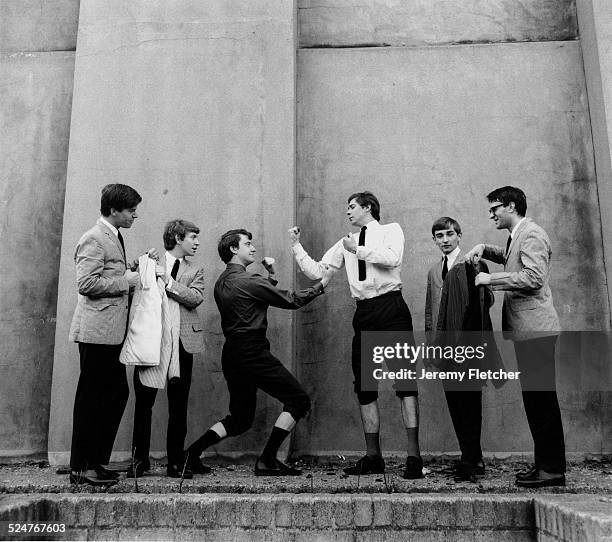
pixel 372 258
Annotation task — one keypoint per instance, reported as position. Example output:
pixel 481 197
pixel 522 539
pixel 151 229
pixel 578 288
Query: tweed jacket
pixel 528 310
pixel 188 290
pixel 101 313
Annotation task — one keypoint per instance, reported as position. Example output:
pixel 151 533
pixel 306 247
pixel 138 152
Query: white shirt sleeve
pixel 334 257
pixel 389 253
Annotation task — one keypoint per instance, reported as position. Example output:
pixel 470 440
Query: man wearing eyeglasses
pixel 530 320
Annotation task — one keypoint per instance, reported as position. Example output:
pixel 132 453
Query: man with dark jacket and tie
pixel 99 327
pixel 529 318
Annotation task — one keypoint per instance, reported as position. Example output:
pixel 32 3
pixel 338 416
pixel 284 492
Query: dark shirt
pixel 243 300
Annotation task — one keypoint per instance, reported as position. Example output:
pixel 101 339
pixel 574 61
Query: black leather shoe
pixel 367 465
pixel 176 471
pixel 195 465
pixel 528 474
pixel 138 470
pixel 539 481
pixel 276 468
pixel 414 468
pixel 468 472
pixel 104 473
pixel 80 478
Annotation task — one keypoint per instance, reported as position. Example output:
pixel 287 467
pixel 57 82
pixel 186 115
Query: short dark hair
pixel 506 194
pixel 177 228
pixel 445 223
pixel 118 196
pixel 231 239
pixel 367 198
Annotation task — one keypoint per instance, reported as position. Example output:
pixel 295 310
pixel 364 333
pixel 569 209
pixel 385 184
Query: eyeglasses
pixel 494 208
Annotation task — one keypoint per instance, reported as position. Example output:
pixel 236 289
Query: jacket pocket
pixel 524 304
pixel 197 327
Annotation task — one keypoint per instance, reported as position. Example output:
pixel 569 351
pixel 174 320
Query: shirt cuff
pixel 170 283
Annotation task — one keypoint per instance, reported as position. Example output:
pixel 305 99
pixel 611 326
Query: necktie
pixel 508 245
pixel 175 267
pixel 444 268
pixel 120 237
pixel 361 263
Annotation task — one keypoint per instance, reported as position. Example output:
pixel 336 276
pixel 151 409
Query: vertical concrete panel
pixel 342 23
pixel 193 105
pixel 37 25
pixel 431 131
pixel 35 97
pixel 595 21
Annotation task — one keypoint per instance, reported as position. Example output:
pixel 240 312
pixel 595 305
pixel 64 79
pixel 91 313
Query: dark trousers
pixel 178 398
pixel 100 400
pixel 387 312
pixel 536 362
pixel 248 366
pixel 465 409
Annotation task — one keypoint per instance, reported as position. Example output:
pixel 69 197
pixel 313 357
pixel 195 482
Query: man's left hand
pixel 349 243
pixel 483 279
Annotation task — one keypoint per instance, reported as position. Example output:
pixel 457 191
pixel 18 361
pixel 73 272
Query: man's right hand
pixel 133 277
pixel 294 235
pixel 475 254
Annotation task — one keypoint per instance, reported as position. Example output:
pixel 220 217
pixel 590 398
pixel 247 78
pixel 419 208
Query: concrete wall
pixel 431 130
pixel 342 23
pixel 192 105
pixel 36 67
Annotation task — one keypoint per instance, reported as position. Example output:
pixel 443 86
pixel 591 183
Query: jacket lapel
pixel 516 235
pixel 113 238
pixel 184 265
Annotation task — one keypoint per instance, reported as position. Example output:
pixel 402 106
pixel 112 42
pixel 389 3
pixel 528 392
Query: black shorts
pixel 387 312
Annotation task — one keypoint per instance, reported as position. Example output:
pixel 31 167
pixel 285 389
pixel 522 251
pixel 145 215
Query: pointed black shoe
pixel 196 466
pixel 138 470
pixel 104 473
pixel 527 474
pixel 80 478
pixel 367 465
pixel 277 468
pixel 176 471
pixel 469 472
pixel 533 479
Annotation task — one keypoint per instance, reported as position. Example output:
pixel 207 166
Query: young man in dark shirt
pixel 243 300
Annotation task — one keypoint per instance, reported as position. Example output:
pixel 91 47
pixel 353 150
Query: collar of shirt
pixel 109 225
pixel 517 225
pixel 451 258
pixel 170 259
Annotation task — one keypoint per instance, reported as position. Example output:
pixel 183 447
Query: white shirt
pixel 112 228
pixel 451 258
pixel 383 253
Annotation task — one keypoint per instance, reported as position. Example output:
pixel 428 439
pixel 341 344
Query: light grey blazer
pixel 101 313
pixel 188 290
pixel 528 310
